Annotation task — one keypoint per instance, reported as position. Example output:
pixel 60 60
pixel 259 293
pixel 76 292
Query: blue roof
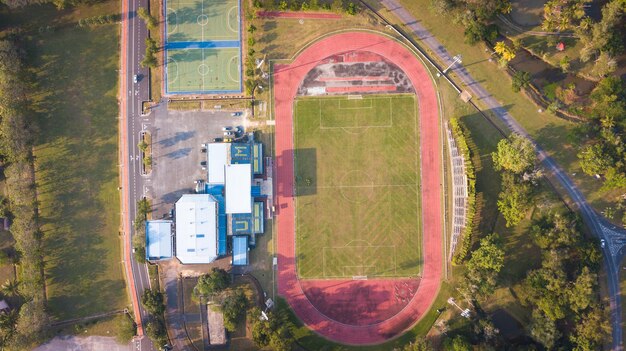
pixel 248 223
pixel 240 153
pixel 240 251
pixel 158 239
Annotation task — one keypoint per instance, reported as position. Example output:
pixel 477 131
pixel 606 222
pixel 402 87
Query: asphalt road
pixel 135 33
pixel 614 237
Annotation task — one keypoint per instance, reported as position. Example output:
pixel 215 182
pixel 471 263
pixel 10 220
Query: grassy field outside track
pixel 357 176
pixel 76 158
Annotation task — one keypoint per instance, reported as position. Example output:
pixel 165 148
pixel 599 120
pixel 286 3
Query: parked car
pixel 203 165
pixel 236 114
pixel 203 150
pixel 229 134
pixel 135 78
pixel 218 140
pixel 204 145
pixel 228 140
pixel 228 129
pixel 602 243
pixel 199 186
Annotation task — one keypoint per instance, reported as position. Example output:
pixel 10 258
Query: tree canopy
pixel 515 154
pixel 152 300
pixel 212 283
pixel 234 307
pixel 483 267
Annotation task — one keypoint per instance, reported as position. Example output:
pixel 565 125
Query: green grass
pixel 200 70
pixel 357 181
pixel 202 20
pixel 548 130
pixel 76 168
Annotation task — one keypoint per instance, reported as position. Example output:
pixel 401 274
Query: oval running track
pixel 287 79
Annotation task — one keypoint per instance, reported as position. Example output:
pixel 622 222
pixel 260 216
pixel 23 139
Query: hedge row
pixel 466 236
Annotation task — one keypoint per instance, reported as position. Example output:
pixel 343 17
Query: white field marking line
pixel 389 125
pixel 355 108
pixel 228 19
pixel 172 11
pixel 202 88
pixel 230 62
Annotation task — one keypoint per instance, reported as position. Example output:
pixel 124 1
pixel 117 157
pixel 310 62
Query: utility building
pixel 196 228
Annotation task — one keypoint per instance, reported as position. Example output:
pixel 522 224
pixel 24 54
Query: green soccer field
pixel 357 185
pixel 202 20
pixel 202 70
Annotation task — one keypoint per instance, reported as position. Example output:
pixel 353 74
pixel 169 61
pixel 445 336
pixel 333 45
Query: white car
pixel 135 78
pixel 236 114
pixel 602 243
pixel 229 134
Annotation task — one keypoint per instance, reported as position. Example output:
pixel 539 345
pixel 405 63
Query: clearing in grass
pixel 357 175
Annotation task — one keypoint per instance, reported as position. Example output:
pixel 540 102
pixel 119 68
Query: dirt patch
pixel 356 72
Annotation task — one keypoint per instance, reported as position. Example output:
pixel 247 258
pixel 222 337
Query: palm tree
pixel 11 287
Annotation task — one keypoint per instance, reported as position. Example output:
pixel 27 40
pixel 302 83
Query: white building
pixel 196 228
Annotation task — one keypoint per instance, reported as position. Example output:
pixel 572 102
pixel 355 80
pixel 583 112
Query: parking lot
pixel 177 137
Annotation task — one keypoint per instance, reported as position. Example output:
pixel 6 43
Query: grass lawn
pixel 76 159
pixel 548 130
pixel 357 186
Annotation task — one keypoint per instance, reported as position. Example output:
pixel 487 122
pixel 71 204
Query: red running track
pixel 287 79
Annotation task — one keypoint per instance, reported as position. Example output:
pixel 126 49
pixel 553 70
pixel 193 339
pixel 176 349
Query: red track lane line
pixel 287 79
pixel 124 154
pixel 297 15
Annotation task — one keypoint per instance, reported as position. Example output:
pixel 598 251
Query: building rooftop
pixel 196 228
pixel 240 250
pixel 158 239
pixel 217 158
pixel 238 188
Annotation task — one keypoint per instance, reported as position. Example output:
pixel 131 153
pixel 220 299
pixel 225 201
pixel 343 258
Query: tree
pixel 544 330
pixel 155 329
pixel 152 300
pixel 275 332
pixel 11 287
pixel 506 53
pixel 352 9
pixel 521 80
pixel 143 146
pixel 418 345
pixel 252 28
pixel 147 161
pixel 565 64
pixel 484 266
pixel 563 15
pixel 337 5
pixel 212 283
pixel 458 343
pixel 151 21
pixel 594 160
pixel 591 331
pixel 580 293
pixel 126 329
pixel 515 154
pixel 234 307
pixel 513 200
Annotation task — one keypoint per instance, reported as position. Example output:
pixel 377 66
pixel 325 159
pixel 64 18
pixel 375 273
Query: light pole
pixel 455 59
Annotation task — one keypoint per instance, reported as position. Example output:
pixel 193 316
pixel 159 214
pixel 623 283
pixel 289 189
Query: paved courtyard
pixel 177 137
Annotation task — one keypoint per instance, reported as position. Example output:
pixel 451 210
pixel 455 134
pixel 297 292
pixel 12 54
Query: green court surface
pixel 357 185
pixel 202 20
pixel 203 70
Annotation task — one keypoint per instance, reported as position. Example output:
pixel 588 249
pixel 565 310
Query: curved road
pixel 615 237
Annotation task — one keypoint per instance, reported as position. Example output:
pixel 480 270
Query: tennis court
pixel 203 47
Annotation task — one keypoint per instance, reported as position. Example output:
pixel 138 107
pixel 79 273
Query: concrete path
pixel 614 236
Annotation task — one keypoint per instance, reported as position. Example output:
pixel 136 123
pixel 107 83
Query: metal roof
pixel 240 250
pixel 217 158
pixel 158 239
pixel 238 188
pixel 196 228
